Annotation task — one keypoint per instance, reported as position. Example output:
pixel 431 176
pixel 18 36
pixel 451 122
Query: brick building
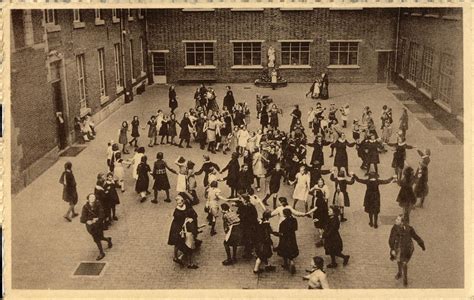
pixel 73 62
pixel 430 55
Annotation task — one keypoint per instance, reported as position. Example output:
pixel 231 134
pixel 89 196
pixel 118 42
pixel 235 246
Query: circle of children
pixel 268 156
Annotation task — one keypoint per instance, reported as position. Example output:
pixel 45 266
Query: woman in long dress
pixel 288 247
pixel 340 145
pixel 400 154
pixel 264 119
pixel 333 245
pixel 135 132
pixel 401 246
pixel 302 188
pixel 174 238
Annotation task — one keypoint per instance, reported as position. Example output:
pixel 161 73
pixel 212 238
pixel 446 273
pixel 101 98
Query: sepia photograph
pixel 261 148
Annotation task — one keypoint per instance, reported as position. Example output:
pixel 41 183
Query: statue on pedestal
pixel 271 57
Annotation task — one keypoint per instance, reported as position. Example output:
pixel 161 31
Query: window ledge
pixel 134 80
pixel 104 99
pixel 411 82
pixel 295 8
pixel 141 17
pixel 115 20
pixel 255 67
pixel 295 67
pixel 84 111
pixel 453 18
pixel 142 74
pixel 78 25
pixel 432 16
pixel 343 67
pixel 416 14
pixel 119 89
pixel 99 22
pixel 426 93
pixel 197 9
pixel 199 67
pixel 247 9
pixel 53 28
pixel 445 106
pixel 130 19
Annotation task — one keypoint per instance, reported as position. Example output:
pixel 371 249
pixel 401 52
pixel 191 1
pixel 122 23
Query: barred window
pixel 414 60
pixel 427 69
pixel 247 53
pixel 344 53
pixel 295 53
pixel 199 54
pixel 81 80
pixel 446 78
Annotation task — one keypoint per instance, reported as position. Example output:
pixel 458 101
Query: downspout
pixel 122 47
pixel 147 54
pixel 397 40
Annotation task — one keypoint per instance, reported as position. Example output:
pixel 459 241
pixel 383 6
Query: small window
pixel 51 16
pixel 344 53
pixel 81 80
pixel 102 82
pixel 295 53
pixel 247 53
pixel 199 54
pixel 130 14
pixel 140 13
pixel 78 16
pixel 114 14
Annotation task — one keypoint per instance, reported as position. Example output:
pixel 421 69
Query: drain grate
pixel 72 151
pixel 89 269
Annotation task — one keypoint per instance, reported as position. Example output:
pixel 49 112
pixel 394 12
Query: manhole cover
pixel 72 151
pixel 402 96
pixel 387 220
pixel 89 269
pixel 448 140
pixel 431 124
pixel 415 108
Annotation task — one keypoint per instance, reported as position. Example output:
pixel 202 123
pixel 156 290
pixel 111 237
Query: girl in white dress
pixel 183 171
pixel 137 158
pixel 302 187
pixel 317 278
pixel 119 171
pixel 258 166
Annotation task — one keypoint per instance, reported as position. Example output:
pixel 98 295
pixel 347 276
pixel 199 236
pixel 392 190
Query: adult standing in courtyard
pixel 93 216
pixel 324 93
pixel 173 102
pixel 185 133
pixel 333 245
pixel 406 196
pixel 69 190
pixel 401 246
pixel 296 116
pixel 174 237
pixel 229 100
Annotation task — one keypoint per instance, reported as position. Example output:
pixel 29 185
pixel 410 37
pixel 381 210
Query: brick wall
pixel 440 30
pixel 375 27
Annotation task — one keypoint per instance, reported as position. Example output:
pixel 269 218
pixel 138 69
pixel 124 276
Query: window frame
pixel 78 22
pixel 99 17
pixel 101 69
pixel 445 77
pixel 54 17
pixel 140 14
pixel 427 69
pixel 413 62
pixel 115 16
pixel 339 51
pixel 130 14
pixel 195 65
pixel 252 53
pixel 290 52
pixel 81 79
pixel 118 67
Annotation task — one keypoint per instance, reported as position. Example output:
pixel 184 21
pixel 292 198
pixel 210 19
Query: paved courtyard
pixel 46 250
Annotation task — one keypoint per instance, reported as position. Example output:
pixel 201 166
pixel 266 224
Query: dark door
pixel 60 118
pixel 383 66
pixel 159 67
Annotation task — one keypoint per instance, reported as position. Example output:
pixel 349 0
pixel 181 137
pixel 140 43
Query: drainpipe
pixel 127 89
pixel 397 39
pixel 149 70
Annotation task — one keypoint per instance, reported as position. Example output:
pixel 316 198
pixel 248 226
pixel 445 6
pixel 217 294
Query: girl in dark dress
pixel 152 130
pixel 296 115
pixel 406 196
pixel 399 156
pixel 232 178
pixel 164 129
pixel 69 190
pixel 372 148
pixel 421 184
pixel 274 111
pixel 161 178
pixel 275 175
pixel 333 245
pixel 287 247
pixel 93 216
pixel 173 102
pixel 320 214
pixel 404 122
pixel 229 100
pixel 112 196
pixel 123 136
pixel 264 243
pixel 185 134
pixel 143 181
pixel 99 193
pixel 341 196
pixel 340 145
pixel 372 196
pixel 401 246
pixel 264 119
pixel 174 238
pixel 324 94
pixel 318 145
pixel 172 132
pixel 135 132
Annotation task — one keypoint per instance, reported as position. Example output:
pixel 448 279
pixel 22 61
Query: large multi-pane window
pixel 344 53
pixel 427 68
pixel 295 53
pixel 446 78
pixel 247 53
pixel 51 16
pixel 102 82
pixel 414 60
pixel 81 79
pixel 199 54
pixel 118 69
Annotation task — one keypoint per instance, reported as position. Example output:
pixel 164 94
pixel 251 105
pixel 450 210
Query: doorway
pixel 383 66
pixel 159 67
pixel 58 105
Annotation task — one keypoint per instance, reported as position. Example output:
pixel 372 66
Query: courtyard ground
pixel 46 250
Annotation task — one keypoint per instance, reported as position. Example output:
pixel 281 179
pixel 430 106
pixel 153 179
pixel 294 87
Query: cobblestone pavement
pixel 47 250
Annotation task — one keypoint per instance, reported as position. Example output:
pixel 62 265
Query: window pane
pixel 237 58
pixel 295 58
pixel 305 47
pixel 190 59
pixel 343 58
pixel 285 58
pixel 209 58
pixel 353 58
pixel 305 58
pixel 333 58
pixel 257 58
